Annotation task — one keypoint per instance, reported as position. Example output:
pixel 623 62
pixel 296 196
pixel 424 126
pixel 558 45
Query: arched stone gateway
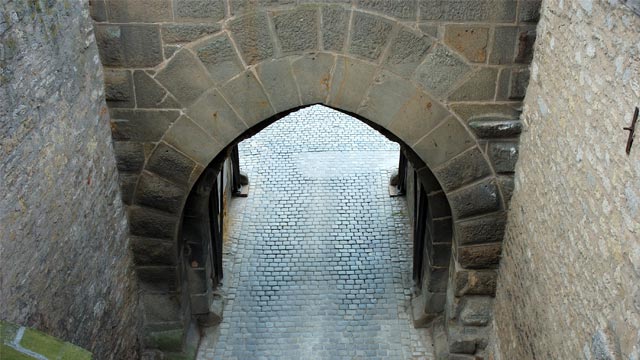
pixel 187 79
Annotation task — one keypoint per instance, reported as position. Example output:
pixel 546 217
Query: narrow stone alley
pixel 317 258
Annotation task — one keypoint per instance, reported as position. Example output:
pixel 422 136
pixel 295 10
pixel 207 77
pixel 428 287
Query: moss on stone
pixel 40 343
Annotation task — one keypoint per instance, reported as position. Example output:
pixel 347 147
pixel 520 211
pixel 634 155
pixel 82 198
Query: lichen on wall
pixel 569 283
pixel 64 259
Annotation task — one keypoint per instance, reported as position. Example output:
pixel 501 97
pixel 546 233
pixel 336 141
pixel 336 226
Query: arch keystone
pixel 313 76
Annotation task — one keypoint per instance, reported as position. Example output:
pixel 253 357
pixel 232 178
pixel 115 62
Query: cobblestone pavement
pixel 318 257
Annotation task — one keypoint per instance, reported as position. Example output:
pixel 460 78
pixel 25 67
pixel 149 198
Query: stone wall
pixel 64 258
pixel 569 281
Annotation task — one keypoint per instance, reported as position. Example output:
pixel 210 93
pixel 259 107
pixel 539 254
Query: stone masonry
pixel 318 256
pixel 186 79
pixel 65 267
pixel 569 284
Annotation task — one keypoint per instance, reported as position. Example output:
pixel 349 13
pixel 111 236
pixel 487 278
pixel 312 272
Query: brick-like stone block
pixel 369 35
pixel 418 115
pixel 407 51
pixel 98 10
pixel 219 57
pixel 465 10
pixel 149 94
pixel 486 229
pixel 506 185
pixel 157 193
pixel 149 251
pixel 405 10
pixel 475 310
pixel 466 339
pixel 216 117
pixel 481 85
pixel 519 79
pixel 313 76
pixel 192 140
pixel 504 156
pixel 439 255
pixel 479 256
pixel 127 182
pixel 444 142
pixel 470 41
pixel 470 111
pixel 526 41
pixel 252 35
pixel 122 11
pixel 441 230
pixel 151 223
pixel 335 22
pixel 495 126
pixel 119 88
pixel 474 282
pixel 480 198
pixel 170 164
pixel 239 7
pixel 438 205
pixel 184 77
pixel 350 80
pixel 465 168
pixel 199 10
pixel 277 79
pixel 184 33
pixel 161 307
pixel 440 71
pixel 529 11
pixel 129 45
pixel 297 30
pixel 141 125
pixel 129 155
pixel 386 96
pixel 253 106
pixel 504 45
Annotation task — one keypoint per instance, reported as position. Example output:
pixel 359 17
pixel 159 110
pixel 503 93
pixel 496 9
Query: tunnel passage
pixel 444 78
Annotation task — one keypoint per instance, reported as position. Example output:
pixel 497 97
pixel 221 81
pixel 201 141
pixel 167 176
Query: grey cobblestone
pixel 318 257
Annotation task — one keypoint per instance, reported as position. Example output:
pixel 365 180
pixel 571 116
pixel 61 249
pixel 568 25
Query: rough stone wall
pixel 569 281
pixel 64 258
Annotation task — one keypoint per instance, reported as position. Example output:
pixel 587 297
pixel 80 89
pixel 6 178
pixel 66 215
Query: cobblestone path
pixel 318 257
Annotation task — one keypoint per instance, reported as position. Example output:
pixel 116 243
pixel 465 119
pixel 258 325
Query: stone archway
pixel 184 85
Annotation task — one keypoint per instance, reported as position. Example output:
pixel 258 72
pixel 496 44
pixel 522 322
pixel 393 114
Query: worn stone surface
pixel 335 21
pixel 297 30
pixel 220 58
pixel 481 85
pixel 64 271
pixel 575 207
pixel 463 10
pixel 129 45
pixel 251 33
pixel 183 33
pixel 407 52
pixel 216 117
pixel 277 79
pixel 121 11
pixel 465 168
pixel 350 77
pixel 118 89
pixel 504 45
pixel 405 10
pixel 440 71
pixel 254 105
pixel 149 94
pixel 476 199
pixel 503 156
pixel 444 142
pixel 369 35
pixel 470 41
pixel 184 77
pixel 313 76
pixel 200 10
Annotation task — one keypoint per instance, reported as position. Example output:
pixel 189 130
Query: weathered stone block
pixel 504 156
pixel 405 10
pixel 252 35
pixel 495 126
pixel 216 117
pixel 200 10
pixel 244 6
pixel 98 10
pixel 526 41
pixel 476 310
pixel 438 204
pixel 486 229
pixel 167 340
pixel 141 125
pixel 469 111
pixel 441 230
pixel 504 45
pixel 386 97
pixel 119 88
pixel 128 184
pixel 220 58
pixel 278 82
pixel 184 33
pixel 440 71
pixel 335 22
pixel 122 11
pixel 169 50
pixel 529 11
pixel 158 279
pixel 465 168
pixel 479 256
pixel 518 84
pixel 149 94
pixel 350 80
pixel 161 307
pixel 129 155
pixel 369 35
pixel 506 188
pixel 474 282
pixel 157 193
pixel 464 10
pixel 439 255
pixel 407 52
pixel 480 198
pixel 430 29
pixel 426 307
pixel 253 106
pixel 417 115
pixel 313 76
pixel 297 30
pixel 480 86
pixel 470 41
pixel 151 223
pixel 184 77
pixel 444 142
pixel 148 251
pixel 129 45
pixel 191 139
pixel 170 164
